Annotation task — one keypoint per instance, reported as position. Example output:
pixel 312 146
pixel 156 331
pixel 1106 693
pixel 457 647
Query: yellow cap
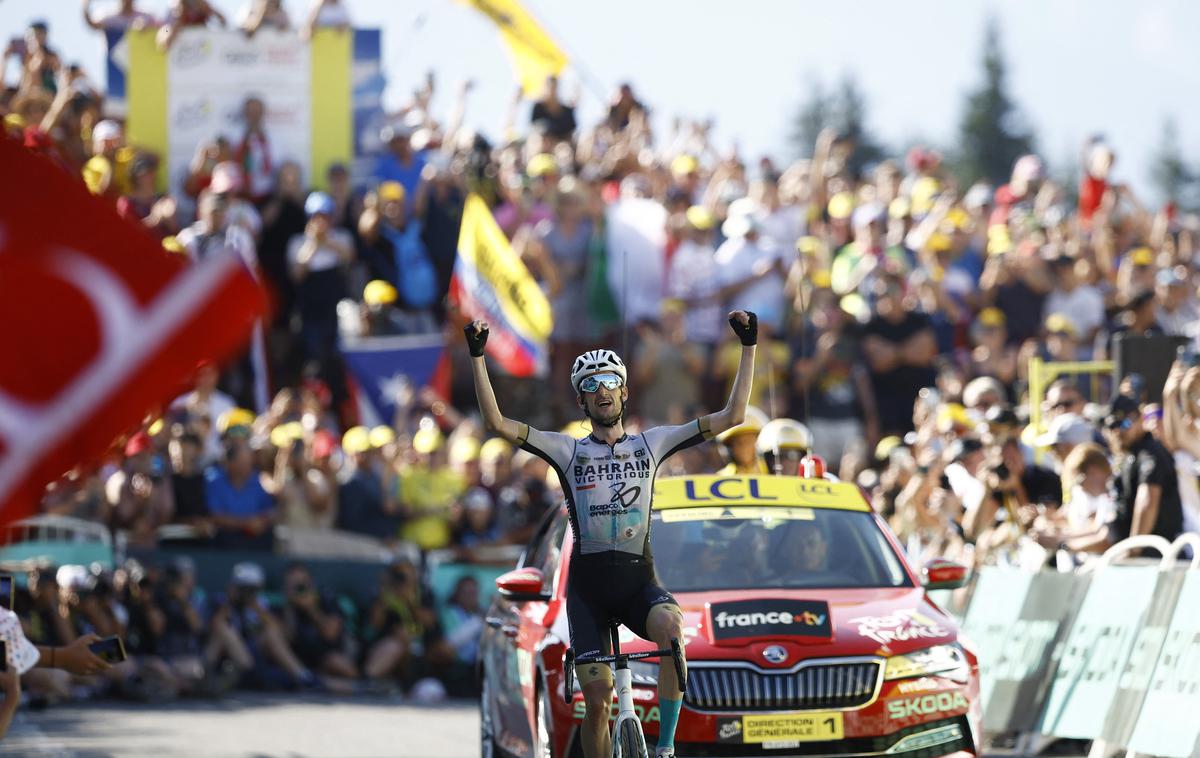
pixel 541 164
pixel 496 447
pixel 951 416
pixel 1142 256
pixel 156 427
pixel 464 450
pixel 957 218
pixel 938 242
pixel 172 245
pixel 391 192
pixel 841 205
pixel 684 164
pixel 576 429
pixel 924 191
pixel 821 279
pixel 381 435
pixel 427 439
pixel 356 440
pixel 855 305
pixel 14 121
pixel 808 245
pixel 992 317
pixel 285 434
pixel 379 292
pixel 701 217
pixel 95 172
pixel 1060 322
pixel 999 241
pixel 886 446
pixel 234 417
pixel 899 208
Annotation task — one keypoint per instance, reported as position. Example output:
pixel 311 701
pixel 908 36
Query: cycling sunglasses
pixel 593 382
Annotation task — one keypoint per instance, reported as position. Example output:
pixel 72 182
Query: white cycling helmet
pixel 596 362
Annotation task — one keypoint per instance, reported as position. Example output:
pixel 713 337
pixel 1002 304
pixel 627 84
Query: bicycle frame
pixel 625 712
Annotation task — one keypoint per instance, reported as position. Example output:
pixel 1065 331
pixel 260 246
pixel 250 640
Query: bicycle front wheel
pixel 629 742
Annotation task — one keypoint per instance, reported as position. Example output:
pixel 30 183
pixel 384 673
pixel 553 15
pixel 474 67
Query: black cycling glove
pixel 747 333
pixel 477 334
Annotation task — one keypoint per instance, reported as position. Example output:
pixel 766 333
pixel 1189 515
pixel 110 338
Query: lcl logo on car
pixel 775 654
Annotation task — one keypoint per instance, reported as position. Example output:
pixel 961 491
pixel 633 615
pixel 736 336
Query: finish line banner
pixel 193 94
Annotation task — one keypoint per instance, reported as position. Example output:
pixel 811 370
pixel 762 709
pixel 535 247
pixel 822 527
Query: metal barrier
pixel 1110 655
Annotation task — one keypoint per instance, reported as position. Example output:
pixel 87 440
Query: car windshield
pixel 747 547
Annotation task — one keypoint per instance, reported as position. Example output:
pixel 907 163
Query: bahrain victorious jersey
pixel 609 489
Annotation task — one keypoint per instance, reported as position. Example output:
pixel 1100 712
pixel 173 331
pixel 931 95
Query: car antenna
pixel 806 467
pixel 777 464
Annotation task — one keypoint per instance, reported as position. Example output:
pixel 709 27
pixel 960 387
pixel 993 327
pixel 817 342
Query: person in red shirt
pixel 1099 159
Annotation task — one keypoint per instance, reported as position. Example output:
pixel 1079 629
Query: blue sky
pixel 1076 66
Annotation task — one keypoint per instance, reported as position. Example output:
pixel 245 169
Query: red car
pixel 807 631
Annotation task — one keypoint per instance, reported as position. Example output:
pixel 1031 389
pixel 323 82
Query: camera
pixel 1187 356
pixel 1002 471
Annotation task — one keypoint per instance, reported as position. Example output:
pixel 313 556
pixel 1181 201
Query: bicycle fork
pixel 624 733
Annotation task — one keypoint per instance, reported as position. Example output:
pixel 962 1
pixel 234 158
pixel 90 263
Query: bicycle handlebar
pixel 675 651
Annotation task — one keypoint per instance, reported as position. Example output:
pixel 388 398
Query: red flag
pixel 100 324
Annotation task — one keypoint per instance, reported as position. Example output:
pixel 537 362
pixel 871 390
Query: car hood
pixel 809 623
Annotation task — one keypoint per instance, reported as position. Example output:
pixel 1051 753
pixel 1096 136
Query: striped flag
pixel 492 284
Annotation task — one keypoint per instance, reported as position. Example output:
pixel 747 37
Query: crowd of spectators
pixel 898 309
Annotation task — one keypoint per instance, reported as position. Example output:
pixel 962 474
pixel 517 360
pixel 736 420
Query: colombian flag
pixel 534 54
pixel 491 284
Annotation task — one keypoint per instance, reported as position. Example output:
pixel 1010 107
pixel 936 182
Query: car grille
pixel 818 685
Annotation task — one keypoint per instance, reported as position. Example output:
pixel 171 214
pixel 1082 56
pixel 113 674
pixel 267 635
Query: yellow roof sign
pixel 711 490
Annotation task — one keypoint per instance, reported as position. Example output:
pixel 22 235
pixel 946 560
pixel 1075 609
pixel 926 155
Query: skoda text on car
pixel 806 631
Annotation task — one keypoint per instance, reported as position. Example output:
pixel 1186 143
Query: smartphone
pixel 109 649
pixel 1187 356
pixel 3 655
pixel 6 591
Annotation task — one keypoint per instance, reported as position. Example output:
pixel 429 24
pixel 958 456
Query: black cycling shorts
pixel 603 586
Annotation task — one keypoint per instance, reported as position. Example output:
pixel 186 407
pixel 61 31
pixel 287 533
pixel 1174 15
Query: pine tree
pixel 814 114
pixel 1169 171
pixel 851 122
pixel 844 111
pixel 992 133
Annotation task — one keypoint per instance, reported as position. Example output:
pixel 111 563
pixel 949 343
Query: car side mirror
pixel 941 574
pixel 522 585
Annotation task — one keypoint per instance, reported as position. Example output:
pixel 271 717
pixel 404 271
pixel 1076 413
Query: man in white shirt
pixel 692 279
pixel 754 269
pixel 1081 303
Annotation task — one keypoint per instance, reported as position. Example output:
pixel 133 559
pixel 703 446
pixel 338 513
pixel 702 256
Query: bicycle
pixel 628 739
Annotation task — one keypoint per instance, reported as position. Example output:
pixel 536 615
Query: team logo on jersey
pixel 624 496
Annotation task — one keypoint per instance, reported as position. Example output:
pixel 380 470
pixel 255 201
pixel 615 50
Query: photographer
pixel 404 631
pixel 316 630
pixel 1014 492
pixel 245 632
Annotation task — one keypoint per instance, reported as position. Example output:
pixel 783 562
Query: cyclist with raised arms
pixel 608 479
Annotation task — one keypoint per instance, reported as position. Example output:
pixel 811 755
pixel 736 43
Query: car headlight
pixel 645 674
pixel 948 661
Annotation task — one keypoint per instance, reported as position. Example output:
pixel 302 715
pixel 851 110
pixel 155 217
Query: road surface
pixel 249 725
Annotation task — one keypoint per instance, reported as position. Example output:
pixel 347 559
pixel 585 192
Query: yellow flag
pixel 534 54
pixel 496 280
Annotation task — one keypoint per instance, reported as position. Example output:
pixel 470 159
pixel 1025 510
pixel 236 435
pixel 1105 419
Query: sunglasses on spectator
pixel 593 383
pixel 1123 424
pixel 1062 404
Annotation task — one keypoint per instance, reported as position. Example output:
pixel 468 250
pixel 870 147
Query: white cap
pixel 248 574
pixel 1067 428
pixel 105 130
